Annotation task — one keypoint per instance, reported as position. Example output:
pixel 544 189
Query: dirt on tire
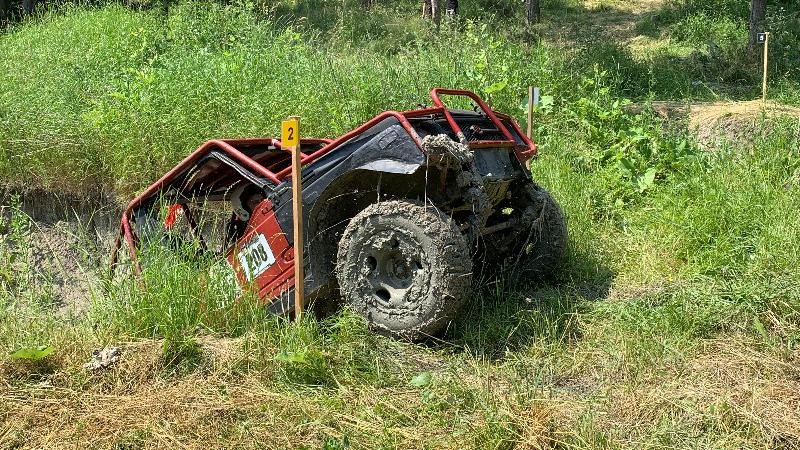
pixel 534 248
pixel 405 267
pixel 543 241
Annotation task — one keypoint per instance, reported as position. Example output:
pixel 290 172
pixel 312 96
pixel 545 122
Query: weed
pixel 14 251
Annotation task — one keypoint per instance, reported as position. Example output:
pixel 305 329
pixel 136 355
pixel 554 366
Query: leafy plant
pixel 631 150
pixel 422 379
pixel 14 249
pixel 32 353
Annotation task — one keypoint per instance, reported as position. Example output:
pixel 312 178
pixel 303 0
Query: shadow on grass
pixel 580 26
pixel 505 316
pixel 633 43
pixel 667 76
pixel 385 26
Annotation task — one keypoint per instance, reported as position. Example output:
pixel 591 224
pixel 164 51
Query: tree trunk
pixel 28 6
pixel 452 8
pixel 758 10
pixel 430 10
pixel 532 12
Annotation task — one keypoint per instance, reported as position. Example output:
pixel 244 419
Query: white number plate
pixel 256 257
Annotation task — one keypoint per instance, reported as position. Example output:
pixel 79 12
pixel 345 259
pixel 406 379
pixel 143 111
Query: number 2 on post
pixel 289 133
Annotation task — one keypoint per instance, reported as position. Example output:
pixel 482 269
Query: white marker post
pixel 763 38
pixel 290 140
pixel 533 101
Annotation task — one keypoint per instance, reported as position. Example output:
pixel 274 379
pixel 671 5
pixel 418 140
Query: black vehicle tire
pixel 534 248
pixel 405 267
pixel 542 237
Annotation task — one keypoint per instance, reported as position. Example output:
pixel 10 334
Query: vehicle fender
pixel 390 151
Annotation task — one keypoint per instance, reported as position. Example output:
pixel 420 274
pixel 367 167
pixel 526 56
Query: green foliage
pixel 180 293
pixel 32 353
pixel 783 23
pixel 701 29
pixel 336 444
pixel 181 357
pixel 422 379
pixel 147 90
pixel 14 250
pixel 155 90
pixel 730 8
pixel 338 350
pixel 673 250
pixel 630 151
pixel 719 31
pixel 729 217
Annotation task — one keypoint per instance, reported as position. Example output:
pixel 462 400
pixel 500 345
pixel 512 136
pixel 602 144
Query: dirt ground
pixel 718 124
pixel 65 243
pixel 615 21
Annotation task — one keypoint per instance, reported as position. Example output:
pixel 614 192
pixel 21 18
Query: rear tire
pixel 543 237
pixel 534 248
pixel 405 267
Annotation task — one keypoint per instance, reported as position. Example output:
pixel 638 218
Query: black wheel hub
pixel 391 264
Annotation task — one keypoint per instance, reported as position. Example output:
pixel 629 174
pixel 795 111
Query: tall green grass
pixel 114 97
pixel 120 96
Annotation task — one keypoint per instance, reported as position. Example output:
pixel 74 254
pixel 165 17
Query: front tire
pixel 405 267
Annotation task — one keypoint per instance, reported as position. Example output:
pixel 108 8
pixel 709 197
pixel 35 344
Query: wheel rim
pixel 391 264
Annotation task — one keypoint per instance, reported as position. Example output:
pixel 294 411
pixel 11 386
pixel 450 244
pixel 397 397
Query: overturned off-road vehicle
pixel 400 215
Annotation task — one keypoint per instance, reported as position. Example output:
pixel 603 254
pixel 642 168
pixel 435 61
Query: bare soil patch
pixel 614 21
pixel 722 123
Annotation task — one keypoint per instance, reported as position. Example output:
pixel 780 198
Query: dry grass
pixel 133 405
pixel 730 394
pixel 720 123
pixel 747 396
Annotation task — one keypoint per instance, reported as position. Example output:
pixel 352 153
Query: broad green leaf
pixel 422 380
pixel 760 329
pixel 646 180
pixel 32 353
pixel 497 87
pixel 649 177
pixel 291 357
pixel 626 166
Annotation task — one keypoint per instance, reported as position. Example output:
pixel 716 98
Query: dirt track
pixel 67 240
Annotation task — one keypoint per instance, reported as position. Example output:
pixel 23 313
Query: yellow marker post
pixel 290 140
pixel 290 132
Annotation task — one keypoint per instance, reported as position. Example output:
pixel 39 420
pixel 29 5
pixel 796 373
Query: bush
pixel 630 151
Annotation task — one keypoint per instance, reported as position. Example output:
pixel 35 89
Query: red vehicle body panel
pixel 277 257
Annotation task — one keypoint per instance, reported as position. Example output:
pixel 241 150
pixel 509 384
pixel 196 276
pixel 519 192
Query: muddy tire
pixel 534 249
pixel 405 267
pixel 542 239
